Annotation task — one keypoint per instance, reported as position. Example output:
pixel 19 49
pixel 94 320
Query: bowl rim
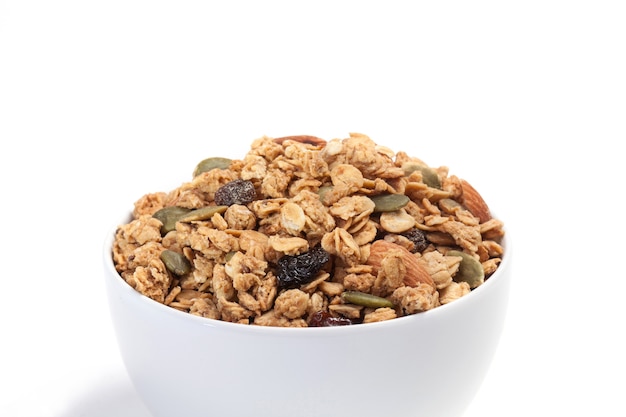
pixel 111 274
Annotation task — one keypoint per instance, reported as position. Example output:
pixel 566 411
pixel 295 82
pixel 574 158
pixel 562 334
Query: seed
pixel 365 299
pixel 211 163
pixel 204 213
pixel 169 216
pixel 389 202
pixel 175 262
pixel 429 175
pixel 323 190
pixel 470 270
pixel 449 206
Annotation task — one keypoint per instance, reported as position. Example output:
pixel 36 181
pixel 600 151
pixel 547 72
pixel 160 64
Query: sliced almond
pixel 474 202
pixel 415 272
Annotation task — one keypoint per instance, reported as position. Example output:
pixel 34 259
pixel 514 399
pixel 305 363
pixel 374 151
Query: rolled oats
pixel 304 195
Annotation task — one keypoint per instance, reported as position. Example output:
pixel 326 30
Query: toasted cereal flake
pixel 411 300
pixel 380 314
pixel 453 291
pixel 341 244
pixel 440 267
pixel 292 303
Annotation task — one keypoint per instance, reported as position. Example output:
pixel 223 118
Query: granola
pixel 301 221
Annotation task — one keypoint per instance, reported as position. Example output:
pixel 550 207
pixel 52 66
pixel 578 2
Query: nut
pixel 415 272
pixel 398 221
pixel 474 202
pixel 311 140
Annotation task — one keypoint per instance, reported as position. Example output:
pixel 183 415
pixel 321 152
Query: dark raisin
pixel 235 192
pixel 293 271
pixel 418 237
pixel 325 319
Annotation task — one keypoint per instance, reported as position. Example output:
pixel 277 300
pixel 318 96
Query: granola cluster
pixel 306 232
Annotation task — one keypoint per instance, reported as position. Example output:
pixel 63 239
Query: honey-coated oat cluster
pixel 305 232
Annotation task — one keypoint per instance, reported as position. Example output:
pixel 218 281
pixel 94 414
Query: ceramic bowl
pixel 428 364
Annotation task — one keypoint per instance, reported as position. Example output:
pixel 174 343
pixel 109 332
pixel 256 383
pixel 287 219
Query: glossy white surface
pixel 103 101
pixel 186 365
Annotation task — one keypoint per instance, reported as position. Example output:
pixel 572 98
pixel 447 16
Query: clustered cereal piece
pixel 298 223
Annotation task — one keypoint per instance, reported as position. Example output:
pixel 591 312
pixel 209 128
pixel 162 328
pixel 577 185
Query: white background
pixel 102 101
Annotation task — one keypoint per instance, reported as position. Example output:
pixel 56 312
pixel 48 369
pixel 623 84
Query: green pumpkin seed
pixel 429 175
pixel 448 205
pixel 204 213
pixel 365 299
pixel 470 270
pixel 389 202
pixel 211 163
pixel 322 191
pixel 175 262
pixel 169 216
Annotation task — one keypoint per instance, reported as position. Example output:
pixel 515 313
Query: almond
pixel 311 140
pixel 474 202
pixel 415 272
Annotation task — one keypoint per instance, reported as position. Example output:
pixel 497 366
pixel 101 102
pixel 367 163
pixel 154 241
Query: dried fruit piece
pixel 365 299
pixel 208 164
pixel 418 237
pixel 235 192
pixel 470 269
pixel 325 319
pixel 293 271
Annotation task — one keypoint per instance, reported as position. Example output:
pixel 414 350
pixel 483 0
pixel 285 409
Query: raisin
pixel 235 192
pixel 325 319
pixel 418 237
pixel 293 271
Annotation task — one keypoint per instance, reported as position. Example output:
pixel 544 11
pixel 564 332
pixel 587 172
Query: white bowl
pixel 428 364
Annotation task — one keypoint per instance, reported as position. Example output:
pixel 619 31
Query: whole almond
pixel 474 202
pixel 311 140
pixel 415 272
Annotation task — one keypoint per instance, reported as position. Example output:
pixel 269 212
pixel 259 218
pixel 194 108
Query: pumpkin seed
pixel 169 216
pixel 175 262
pixel 211 163
pixel 389 202
pixel 449 206
pixel 429 175
pixel 323 190
pixel 365 299
pixel 470 270
pixel 204 213
pixel 230 255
